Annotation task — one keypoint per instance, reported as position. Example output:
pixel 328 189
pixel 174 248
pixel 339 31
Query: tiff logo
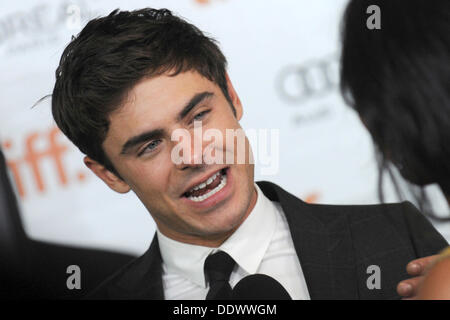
pixel 33 157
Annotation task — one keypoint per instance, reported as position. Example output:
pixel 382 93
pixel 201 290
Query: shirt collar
pixel 253 236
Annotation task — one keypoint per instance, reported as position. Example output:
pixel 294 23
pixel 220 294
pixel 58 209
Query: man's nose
pixel 192 155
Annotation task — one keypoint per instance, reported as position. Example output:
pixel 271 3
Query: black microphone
pixel 259 287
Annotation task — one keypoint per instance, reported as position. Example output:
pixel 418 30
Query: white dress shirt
pixel 261 244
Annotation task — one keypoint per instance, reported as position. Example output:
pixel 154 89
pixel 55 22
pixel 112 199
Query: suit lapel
pixel 325 250
pixel 145 282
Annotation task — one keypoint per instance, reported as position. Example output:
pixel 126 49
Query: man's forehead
pixel 163 93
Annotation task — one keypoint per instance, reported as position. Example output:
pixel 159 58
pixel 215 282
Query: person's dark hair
pixel 111 55
pixel 398 80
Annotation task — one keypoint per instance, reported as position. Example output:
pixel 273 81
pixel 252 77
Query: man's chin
pixel 216 236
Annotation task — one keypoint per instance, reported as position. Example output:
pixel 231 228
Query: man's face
pixel 144 124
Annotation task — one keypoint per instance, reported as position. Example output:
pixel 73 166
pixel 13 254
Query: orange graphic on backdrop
pixel 33 159
pixel 312 197
pixel 204 1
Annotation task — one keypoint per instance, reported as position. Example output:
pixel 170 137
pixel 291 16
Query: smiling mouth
pixel 208 188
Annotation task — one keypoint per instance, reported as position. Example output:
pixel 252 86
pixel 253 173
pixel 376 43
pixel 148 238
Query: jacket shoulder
pixel 401 222
pixel 106 290
pixel 139 279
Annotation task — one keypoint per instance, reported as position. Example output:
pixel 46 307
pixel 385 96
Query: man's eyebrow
pixel 158 133
pixel 199 97
pixel 136 140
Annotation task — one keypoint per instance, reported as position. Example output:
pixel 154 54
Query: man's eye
pixel 150 147
pixel 200 115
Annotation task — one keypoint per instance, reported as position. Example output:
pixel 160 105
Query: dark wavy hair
pixel 398 80
pixel 110 55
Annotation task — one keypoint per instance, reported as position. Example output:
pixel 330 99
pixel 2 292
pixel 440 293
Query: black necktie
pixel 218 267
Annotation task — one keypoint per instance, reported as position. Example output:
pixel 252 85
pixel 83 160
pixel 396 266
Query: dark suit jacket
pixel 335 245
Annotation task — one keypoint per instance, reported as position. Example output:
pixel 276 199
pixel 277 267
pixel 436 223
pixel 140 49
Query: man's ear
pixel 234 98
pixel 113 181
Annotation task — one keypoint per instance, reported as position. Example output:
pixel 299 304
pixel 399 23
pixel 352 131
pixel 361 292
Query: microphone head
pixel 259 287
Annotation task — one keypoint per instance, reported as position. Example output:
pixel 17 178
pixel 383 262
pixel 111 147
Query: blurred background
pixel 283 61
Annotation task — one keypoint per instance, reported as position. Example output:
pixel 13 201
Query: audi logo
pixel 298 83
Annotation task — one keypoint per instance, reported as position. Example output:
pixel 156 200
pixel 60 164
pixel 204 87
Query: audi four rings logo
pixel 297 84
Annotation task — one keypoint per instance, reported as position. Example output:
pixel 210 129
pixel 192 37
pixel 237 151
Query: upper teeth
pixel 219 187
pixel 204 184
